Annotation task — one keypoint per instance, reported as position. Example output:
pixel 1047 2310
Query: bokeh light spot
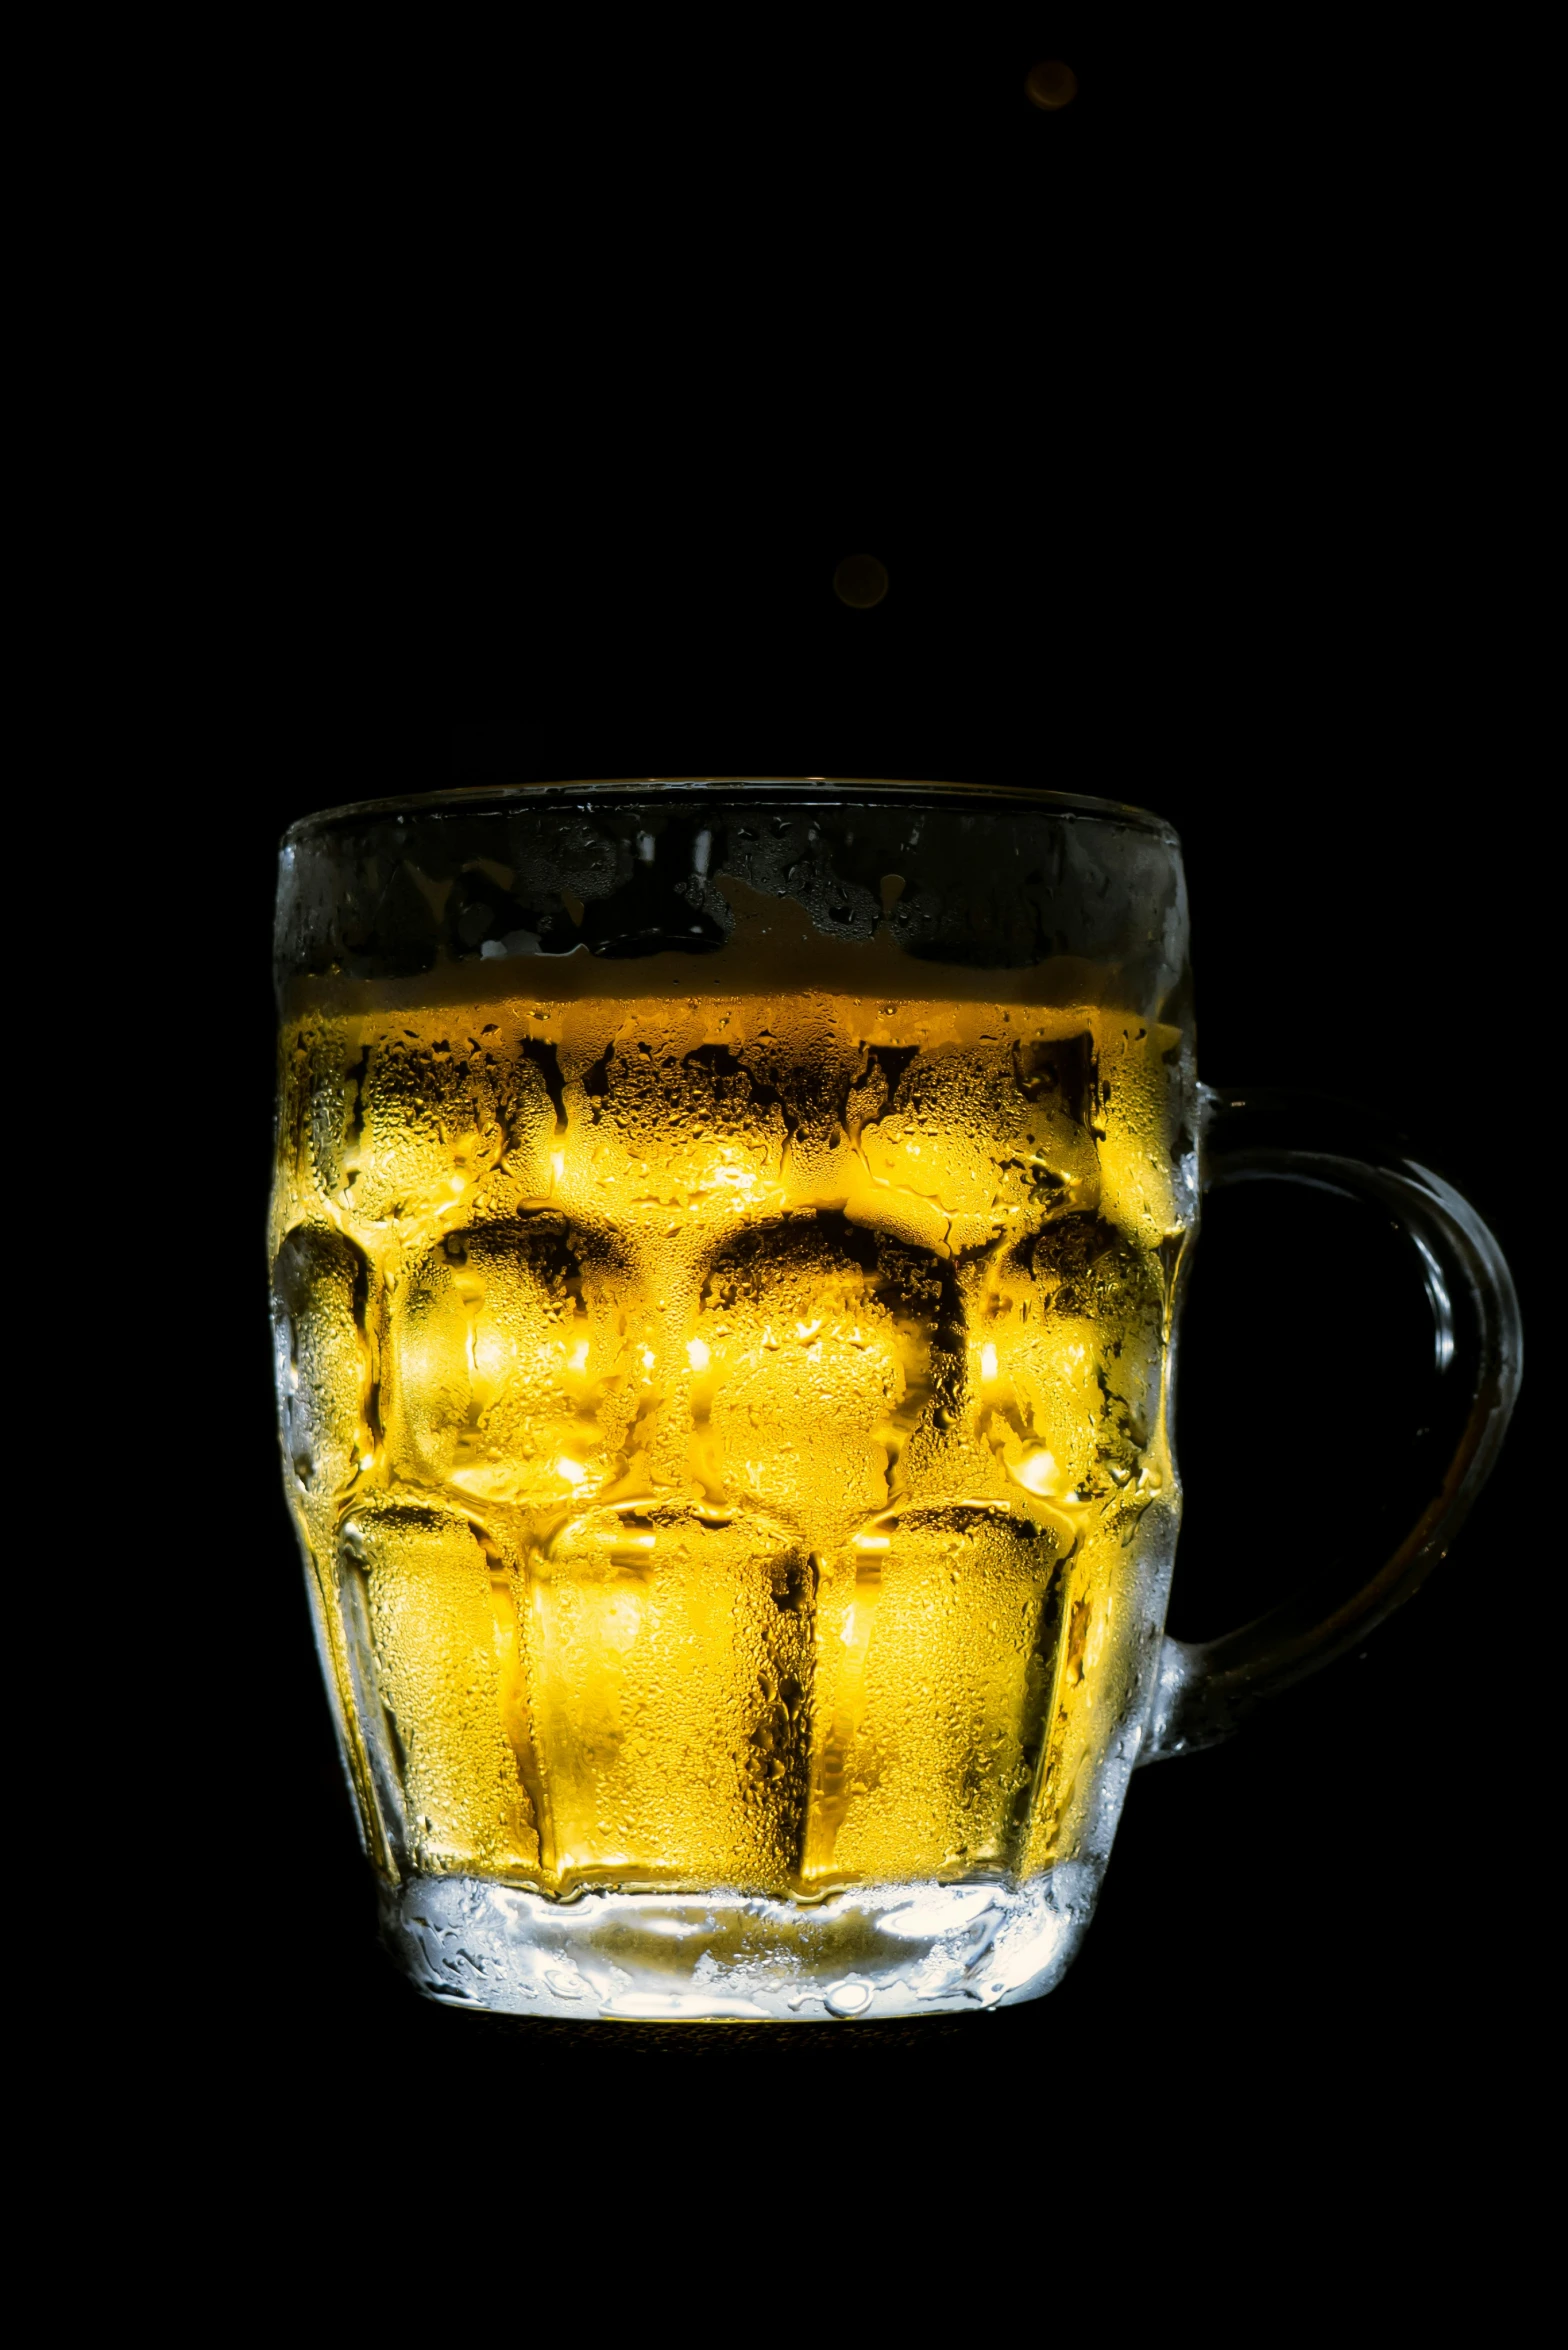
pixel 860 581
pixel 1051 85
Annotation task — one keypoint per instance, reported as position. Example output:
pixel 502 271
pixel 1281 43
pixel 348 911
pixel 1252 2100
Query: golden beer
pixel 729 1429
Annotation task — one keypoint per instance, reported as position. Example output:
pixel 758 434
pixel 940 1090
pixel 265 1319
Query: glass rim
pixel 797 791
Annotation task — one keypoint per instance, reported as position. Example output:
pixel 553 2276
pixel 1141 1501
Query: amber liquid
pixel 724 1430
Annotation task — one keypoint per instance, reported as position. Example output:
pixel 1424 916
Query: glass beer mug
pixel 728 1243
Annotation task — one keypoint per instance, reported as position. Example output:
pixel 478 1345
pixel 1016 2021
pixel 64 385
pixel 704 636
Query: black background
pixel 550 386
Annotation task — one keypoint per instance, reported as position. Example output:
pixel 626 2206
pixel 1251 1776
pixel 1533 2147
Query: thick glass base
pixel 870 1954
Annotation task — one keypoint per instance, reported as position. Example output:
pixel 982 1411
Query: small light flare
pixel 697 1354
pixel 577 1360
pixel 988 1361
pixel 1051 85
pixel 860 581
pixel 572 1471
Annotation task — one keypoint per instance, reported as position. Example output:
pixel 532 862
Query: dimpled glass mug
pixel 727 1247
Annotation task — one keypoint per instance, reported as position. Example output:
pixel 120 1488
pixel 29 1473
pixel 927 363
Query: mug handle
pixel 1205 1688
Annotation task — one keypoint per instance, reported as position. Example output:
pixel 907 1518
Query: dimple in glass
pixel 728 1244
